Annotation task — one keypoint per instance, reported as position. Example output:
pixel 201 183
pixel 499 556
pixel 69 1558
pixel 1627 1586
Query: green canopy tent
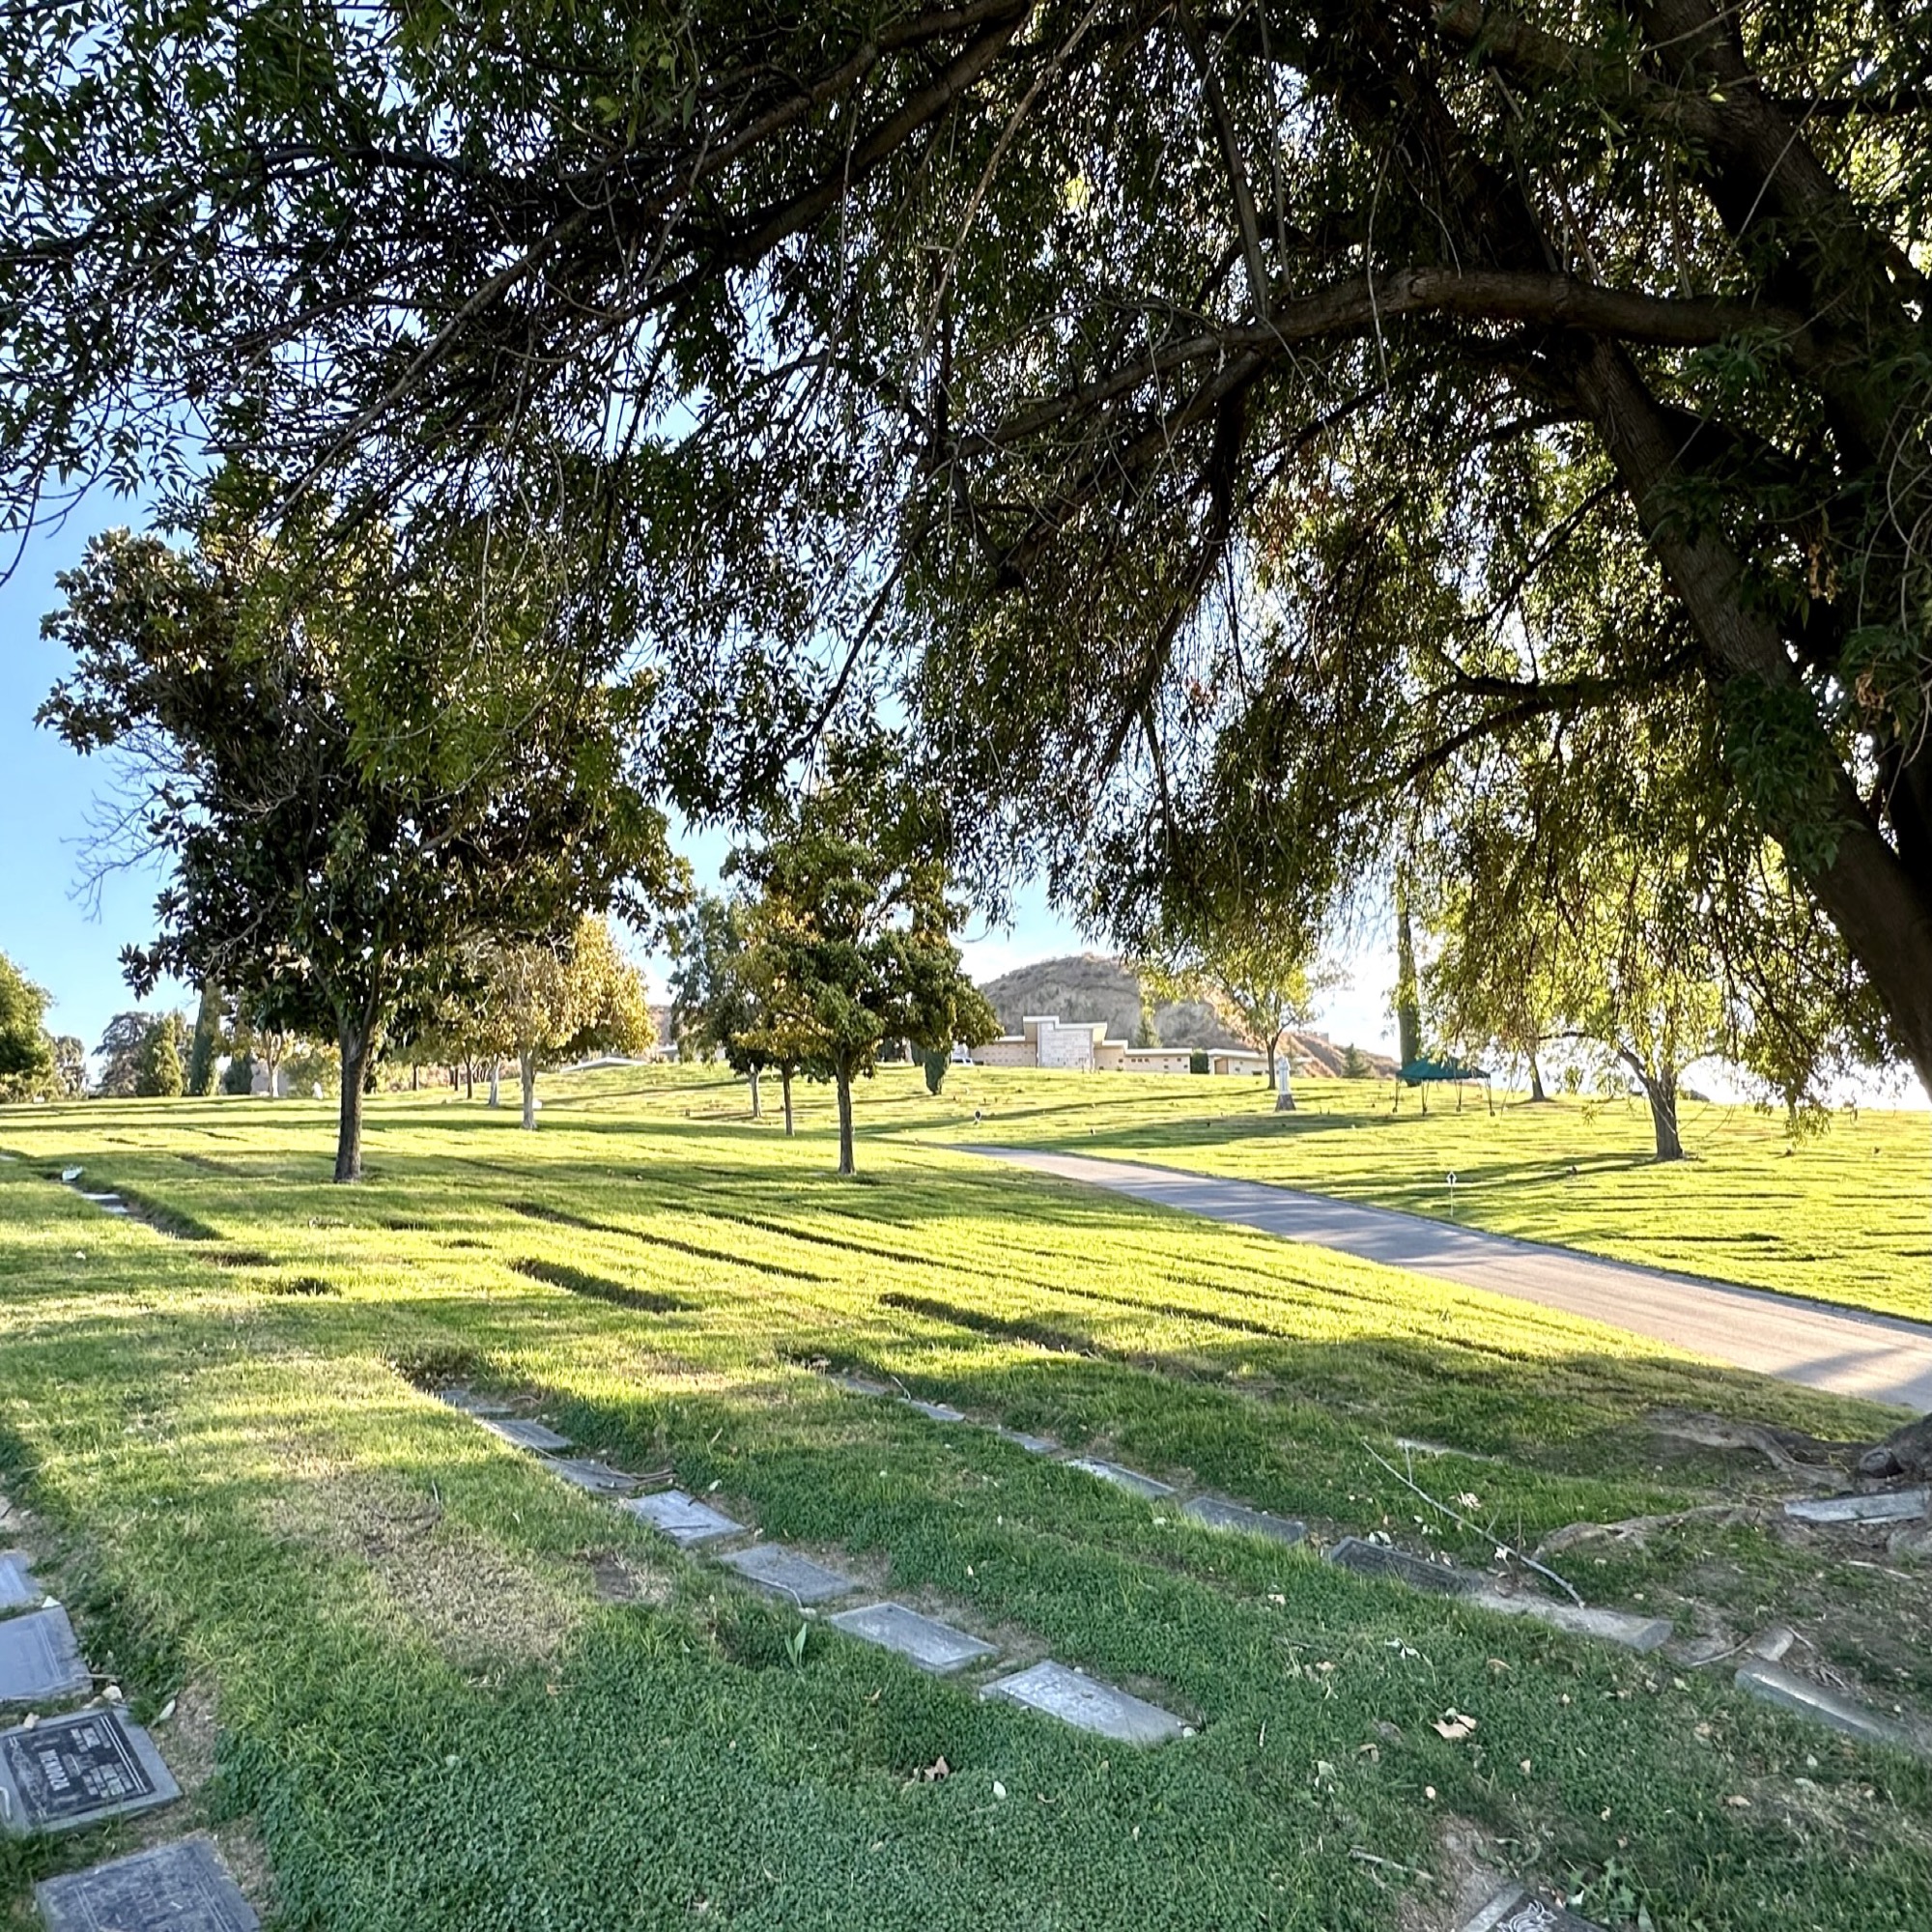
pixel 1425 1073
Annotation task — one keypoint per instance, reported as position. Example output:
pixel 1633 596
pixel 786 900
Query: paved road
pixel 1878 1357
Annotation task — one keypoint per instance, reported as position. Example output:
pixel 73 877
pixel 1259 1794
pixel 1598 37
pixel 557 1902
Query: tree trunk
pixel 1660 1091
pixel 415 1076
pixel 1536 1092
pixel 758 1113
pixel 528 1065
pixel 1407 1006
pixel 469 1080
pixel 785 1087
pixel 354 1044
pixel 1880 906
pixel 846 1164
pixel 495 1083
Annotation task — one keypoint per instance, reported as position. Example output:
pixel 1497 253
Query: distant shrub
pixel 240 1076
pixel 1197 1062
pixel 1354 1064
pixel 935 1064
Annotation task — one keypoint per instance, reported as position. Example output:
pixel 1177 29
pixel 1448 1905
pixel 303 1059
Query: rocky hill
pixel 1089 986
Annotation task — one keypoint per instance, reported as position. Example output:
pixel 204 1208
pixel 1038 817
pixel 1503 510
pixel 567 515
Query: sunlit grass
pixel 453 1693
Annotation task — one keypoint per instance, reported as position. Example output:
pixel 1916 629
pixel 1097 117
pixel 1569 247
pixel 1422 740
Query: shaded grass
pixel 249 1492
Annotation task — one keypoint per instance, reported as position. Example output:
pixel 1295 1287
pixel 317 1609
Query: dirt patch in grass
pixel 620 1579
pixel 461 1589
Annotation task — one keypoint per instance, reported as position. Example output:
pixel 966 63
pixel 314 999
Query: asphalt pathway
pixel 1881 1358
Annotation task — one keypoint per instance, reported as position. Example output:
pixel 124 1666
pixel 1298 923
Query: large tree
pixel 348 785
pixel 1145 380
pixel 27 1065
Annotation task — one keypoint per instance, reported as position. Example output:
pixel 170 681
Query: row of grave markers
pixel 1048 1687
pixel 84 1767
pixel 927 1642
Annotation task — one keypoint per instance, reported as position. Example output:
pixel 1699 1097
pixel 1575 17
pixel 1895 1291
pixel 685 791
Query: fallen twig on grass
pixel 1475 1529
pixel 1394 1864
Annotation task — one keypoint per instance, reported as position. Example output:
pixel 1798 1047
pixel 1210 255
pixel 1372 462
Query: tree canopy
pixel 347 787
pixel 1182 406
pixel 27 1064
pixel 851 932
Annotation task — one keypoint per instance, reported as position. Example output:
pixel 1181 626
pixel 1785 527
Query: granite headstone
pixel 39 1658
pixel 178 1888
pixel 1377 1559
pixel 683 1518
pixel 1088 1705
pixel 1122 1478
pixel 790 1573
pixel 921 1640
pixel 78 1769
pixel 1218 1513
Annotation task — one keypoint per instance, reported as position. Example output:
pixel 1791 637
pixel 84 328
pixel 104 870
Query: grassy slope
pixel 436 1719
pixel 1845 1216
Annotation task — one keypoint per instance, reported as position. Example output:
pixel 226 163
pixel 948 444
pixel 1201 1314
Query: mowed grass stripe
pixel 243 1490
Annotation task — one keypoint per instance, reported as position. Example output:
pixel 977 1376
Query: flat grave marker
pixel 599 1478
pixel 525 1433
pixel 178 1888
pixel 934 1412
pixel 17 1588
pixel 859 1384
pixel 790 1573
pixel 1122 1478
pixel 924 1641
pixel 1513 1908
pixel 1790 1692
pixel 1889 1506
pixel 1088 1705
pixel 39 1658
pixel 1033 1445
pixel 470 1402
pixel 78 1769
pixel 1642 1635
pixel 683 1518
pixel 1377 1559
pixel 1218 1513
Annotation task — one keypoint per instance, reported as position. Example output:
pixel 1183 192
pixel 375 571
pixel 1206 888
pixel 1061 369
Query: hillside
pixel 1089 986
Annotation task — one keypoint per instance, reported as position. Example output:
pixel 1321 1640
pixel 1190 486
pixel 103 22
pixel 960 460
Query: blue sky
pixel 71 946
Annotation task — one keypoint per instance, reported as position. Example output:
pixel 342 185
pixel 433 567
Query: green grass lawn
pixel 1845 1216
pixel 431 1686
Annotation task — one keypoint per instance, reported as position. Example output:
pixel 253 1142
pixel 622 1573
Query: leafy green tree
pixel 546 1005
pixel 69 1065
pixel 1354 1064
pixel 713 1007
pixel 1146 1034
pixel 935 1062
pixel 27 1065
pixel 1181 401
pixel 1259 974
pixel 852 930
pixel 347 775
pixel 123 1043
pixel 159 1072
pixel 1597 917
pixel 206 1045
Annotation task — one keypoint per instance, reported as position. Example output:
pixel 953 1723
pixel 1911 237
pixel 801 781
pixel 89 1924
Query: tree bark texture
pixel 784 1089
pixel 846 1163
pixel 526 1064
pixel 354 1044
pixel 758 1112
